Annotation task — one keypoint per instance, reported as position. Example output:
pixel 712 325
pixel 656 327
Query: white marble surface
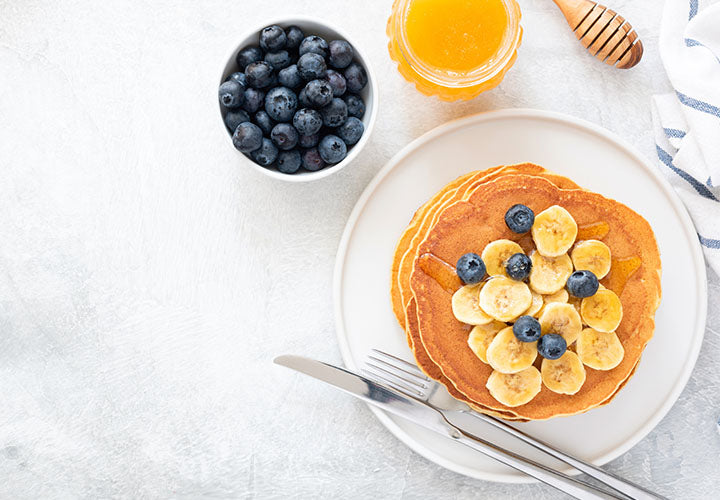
pixel 146 280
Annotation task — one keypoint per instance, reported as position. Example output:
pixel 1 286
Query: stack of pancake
pixel 465 216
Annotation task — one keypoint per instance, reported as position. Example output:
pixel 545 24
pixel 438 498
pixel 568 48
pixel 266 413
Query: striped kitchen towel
pixel 687 121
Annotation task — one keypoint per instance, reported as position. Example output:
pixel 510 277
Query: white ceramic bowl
pixel 369 94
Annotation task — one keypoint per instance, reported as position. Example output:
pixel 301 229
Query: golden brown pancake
pixel 426 216
pixel 469 225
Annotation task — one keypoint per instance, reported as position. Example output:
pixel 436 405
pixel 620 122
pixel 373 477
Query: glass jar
pixel 452 84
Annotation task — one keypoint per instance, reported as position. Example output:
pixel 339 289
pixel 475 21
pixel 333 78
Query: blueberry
pixel 518 266
pixel 247 137
pixel 294 37
pixel 351 131
pixel 341 54
pixel 266 154
pixel 315 45
pixel 318 93
pixel 290 77
pixel 527 329
pixel 248 55
pixel 551 346
pixel 235 117
pixel 355 105
pixel 582 284
pixel 288 162
pixel 519 218
pixel 273 38
pixel 278 60
pixel 311 66
pixel 332 149
pixel 263 120
pixel 259 74
pixel 336 81
pixel 284 136
pixel 307 121
pixel 239 77
pixel 308 141
pixel 231 94
pixel 311 160
pixel 356 77
pixel 470 268
pixel 280 104
pixel 335 113
pixel 254 100
pixel 303 100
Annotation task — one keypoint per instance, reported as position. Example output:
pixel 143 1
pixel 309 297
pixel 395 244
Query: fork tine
pixel 398 379
pixel 379 378
pixel 407 366
pixel 407 378
pixel 401 364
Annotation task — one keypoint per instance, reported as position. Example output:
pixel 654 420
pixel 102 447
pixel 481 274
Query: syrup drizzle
pixel 440 271
pixel 594 231
pixel 620 272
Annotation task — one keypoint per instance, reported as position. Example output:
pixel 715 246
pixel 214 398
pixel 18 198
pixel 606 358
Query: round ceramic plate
pixel 595 159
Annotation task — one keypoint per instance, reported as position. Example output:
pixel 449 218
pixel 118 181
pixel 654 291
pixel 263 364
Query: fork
pixel 408 379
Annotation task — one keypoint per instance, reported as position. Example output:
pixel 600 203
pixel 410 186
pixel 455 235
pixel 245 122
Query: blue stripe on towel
pixel 693 9
pixel 690 42
pixel 699 186
pixel 699 105
pixel 673 132
pixel 707 242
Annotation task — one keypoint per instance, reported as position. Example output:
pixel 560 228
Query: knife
pixel 425 415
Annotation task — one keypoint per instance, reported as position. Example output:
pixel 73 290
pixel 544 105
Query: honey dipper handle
pixel 575 10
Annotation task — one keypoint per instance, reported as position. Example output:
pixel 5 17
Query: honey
pixel 454 49
pixel 594 231
pixel 455 35
pixel 620 272
pixel 440 271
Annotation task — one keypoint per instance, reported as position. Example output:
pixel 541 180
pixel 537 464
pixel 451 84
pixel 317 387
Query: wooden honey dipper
pixel 603 32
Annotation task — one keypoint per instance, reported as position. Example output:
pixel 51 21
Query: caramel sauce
pixel 620 272
pixel 594 231
pixel 440 271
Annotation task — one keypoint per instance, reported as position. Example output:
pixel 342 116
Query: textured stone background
pixel 147 280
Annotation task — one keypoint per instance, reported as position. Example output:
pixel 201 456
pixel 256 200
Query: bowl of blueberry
pixel 297 99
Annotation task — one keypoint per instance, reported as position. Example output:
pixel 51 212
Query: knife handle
pixel 558 480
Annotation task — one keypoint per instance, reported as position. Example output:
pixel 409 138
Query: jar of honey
pixel 454 49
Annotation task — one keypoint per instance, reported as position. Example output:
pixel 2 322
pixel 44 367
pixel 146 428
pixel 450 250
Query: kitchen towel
pixel 687 121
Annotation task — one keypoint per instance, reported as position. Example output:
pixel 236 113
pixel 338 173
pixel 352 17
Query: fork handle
pixel 558 480
pixel 618 484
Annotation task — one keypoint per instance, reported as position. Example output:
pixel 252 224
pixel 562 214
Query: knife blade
pixel 368 391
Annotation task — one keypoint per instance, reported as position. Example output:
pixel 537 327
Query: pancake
pixel 469 225
pixel 426 216
pixel 433 371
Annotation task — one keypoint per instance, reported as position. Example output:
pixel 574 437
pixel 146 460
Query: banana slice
pixel 603 311
pixel 565 375
pixel 559 296
pixel 561 318
pixel 506 354
pixel 481 336
pixel 593 256
pixel 515 389
pixel 575 302
pixel 496 254
pixel 554 231
pixel 466 306
pixel 535 305
pixel 549 274
pixel 599 350
pixel 505 299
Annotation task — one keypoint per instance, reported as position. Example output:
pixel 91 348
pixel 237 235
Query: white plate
pixel 595 159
